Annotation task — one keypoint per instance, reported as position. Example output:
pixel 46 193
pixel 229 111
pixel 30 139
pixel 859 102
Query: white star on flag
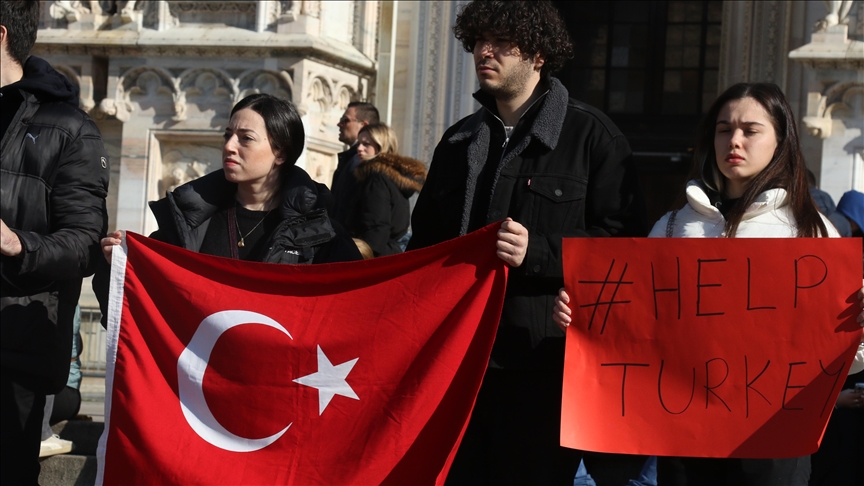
pixel 329 380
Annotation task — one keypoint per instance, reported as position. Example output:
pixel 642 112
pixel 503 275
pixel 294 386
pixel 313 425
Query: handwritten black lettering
pixel 700 285
pixel 797 282
pixel 660 390
pixel 624 378
pixel 749 385
pixel 710 389
pixel 836 376
pixel 677 289
pixel 788 386
pixel 749 308
pixel 600 300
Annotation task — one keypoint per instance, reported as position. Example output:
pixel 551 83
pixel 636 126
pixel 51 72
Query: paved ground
pixel 93 409
pixel 93 398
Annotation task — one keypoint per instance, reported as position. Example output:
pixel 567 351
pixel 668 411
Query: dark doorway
pixel 651 66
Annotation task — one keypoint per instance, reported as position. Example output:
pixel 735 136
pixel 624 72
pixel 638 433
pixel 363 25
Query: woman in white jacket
pixel 750 182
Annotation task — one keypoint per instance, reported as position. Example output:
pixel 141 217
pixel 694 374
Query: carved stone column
pixel 834 60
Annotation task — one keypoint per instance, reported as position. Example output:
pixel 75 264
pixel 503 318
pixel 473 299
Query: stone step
pixel 68 470
pixel 84 435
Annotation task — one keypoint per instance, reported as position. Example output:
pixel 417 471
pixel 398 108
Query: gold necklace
pixel 240 243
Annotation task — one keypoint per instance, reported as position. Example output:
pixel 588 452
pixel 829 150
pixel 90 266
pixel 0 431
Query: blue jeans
pixel 647 477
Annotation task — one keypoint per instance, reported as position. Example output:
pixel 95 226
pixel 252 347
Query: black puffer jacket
pixel 381 210
pixel 305 235
pixel 54 179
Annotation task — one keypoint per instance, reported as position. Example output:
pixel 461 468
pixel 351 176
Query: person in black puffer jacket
pixel 260 206
pixel 381 211
pixel 53 183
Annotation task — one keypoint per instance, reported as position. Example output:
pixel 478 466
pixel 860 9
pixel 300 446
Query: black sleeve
pixel 78 218
pixel 374 219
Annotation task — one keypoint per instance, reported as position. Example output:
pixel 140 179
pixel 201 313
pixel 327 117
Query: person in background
pixel 344 186
pixel 749 182
pixel 826 205
pixel 52 214
pixel 549 167
pixel 66 404
pixel 381 211
pixel 851 206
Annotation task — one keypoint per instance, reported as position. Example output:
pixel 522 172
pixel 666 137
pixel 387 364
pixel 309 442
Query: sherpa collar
pixel 546 127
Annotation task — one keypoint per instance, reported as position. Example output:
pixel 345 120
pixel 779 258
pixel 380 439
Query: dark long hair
pixel 283 124
pixel 786 169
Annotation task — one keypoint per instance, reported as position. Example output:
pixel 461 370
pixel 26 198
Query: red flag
pixel 230 372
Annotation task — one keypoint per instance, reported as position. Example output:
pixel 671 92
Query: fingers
pixel 512 244
pixel 108 243
pixel 561 312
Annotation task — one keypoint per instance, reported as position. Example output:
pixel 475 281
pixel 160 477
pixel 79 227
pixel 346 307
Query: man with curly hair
pixel 550 167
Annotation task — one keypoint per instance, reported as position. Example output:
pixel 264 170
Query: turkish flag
pixel 229 372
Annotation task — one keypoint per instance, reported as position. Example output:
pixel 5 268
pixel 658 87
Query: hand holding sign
pixel 672 342
pixel 562 312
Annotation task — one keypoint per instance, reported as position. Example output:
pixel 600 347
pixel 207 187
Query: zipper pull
pixel 529 182
pixel 505 142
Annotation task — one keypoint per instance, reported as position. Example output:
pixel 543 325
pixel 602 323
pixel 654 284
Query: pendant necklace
pixel 241 243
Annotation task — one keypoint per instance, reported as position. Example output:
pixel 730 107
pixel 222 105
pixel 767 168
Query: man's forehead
pixel 350 112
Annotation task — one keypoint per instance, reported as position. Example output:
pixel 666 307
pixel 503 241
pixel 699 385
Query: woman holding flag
pixel 750 181
pixel 260 206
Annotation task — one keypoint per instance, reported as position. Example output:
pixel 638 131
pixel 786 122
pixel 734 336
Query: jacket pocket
pixel 559 203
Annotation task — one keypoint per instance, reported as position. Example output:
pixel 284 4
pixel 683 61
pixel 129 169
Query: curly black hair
pixel 535 27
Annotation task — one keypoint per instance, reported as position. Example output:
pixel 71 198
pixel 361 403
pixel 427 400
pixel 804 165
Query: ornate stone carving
pixel 262 81
pixel 208 86
pixel 838 13
pixel 158 15
pixel 192 6
pixel 429 112
pixel 146 85
pixel 346 95
pixel 119 109
pixel 838 98
pixel 178 169
pixel 69 10
pixel 831 46
pixel 319 96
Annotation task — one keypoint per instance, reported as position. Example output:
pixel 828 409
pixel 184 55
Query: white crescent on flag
pixel 190 380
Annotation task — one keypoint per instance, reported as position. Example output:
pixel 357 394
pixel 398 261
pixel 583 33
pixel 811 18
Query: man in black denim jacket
pixel 551 167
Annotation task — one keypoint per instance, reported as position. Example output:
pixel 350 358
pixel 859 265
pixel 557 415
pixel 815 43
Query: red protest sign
pixel 707 347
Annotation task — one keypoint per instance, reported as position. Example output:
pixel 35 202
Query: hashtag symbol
pixel 600 300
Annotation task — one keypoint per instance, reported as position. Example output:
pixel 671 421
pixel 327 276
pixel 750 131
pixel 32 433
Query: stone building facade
pixel 161 77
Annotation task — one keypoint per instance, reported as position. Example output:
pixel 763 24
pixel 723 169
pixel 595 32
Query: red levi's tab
pixel 229 372
pixel 707 347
